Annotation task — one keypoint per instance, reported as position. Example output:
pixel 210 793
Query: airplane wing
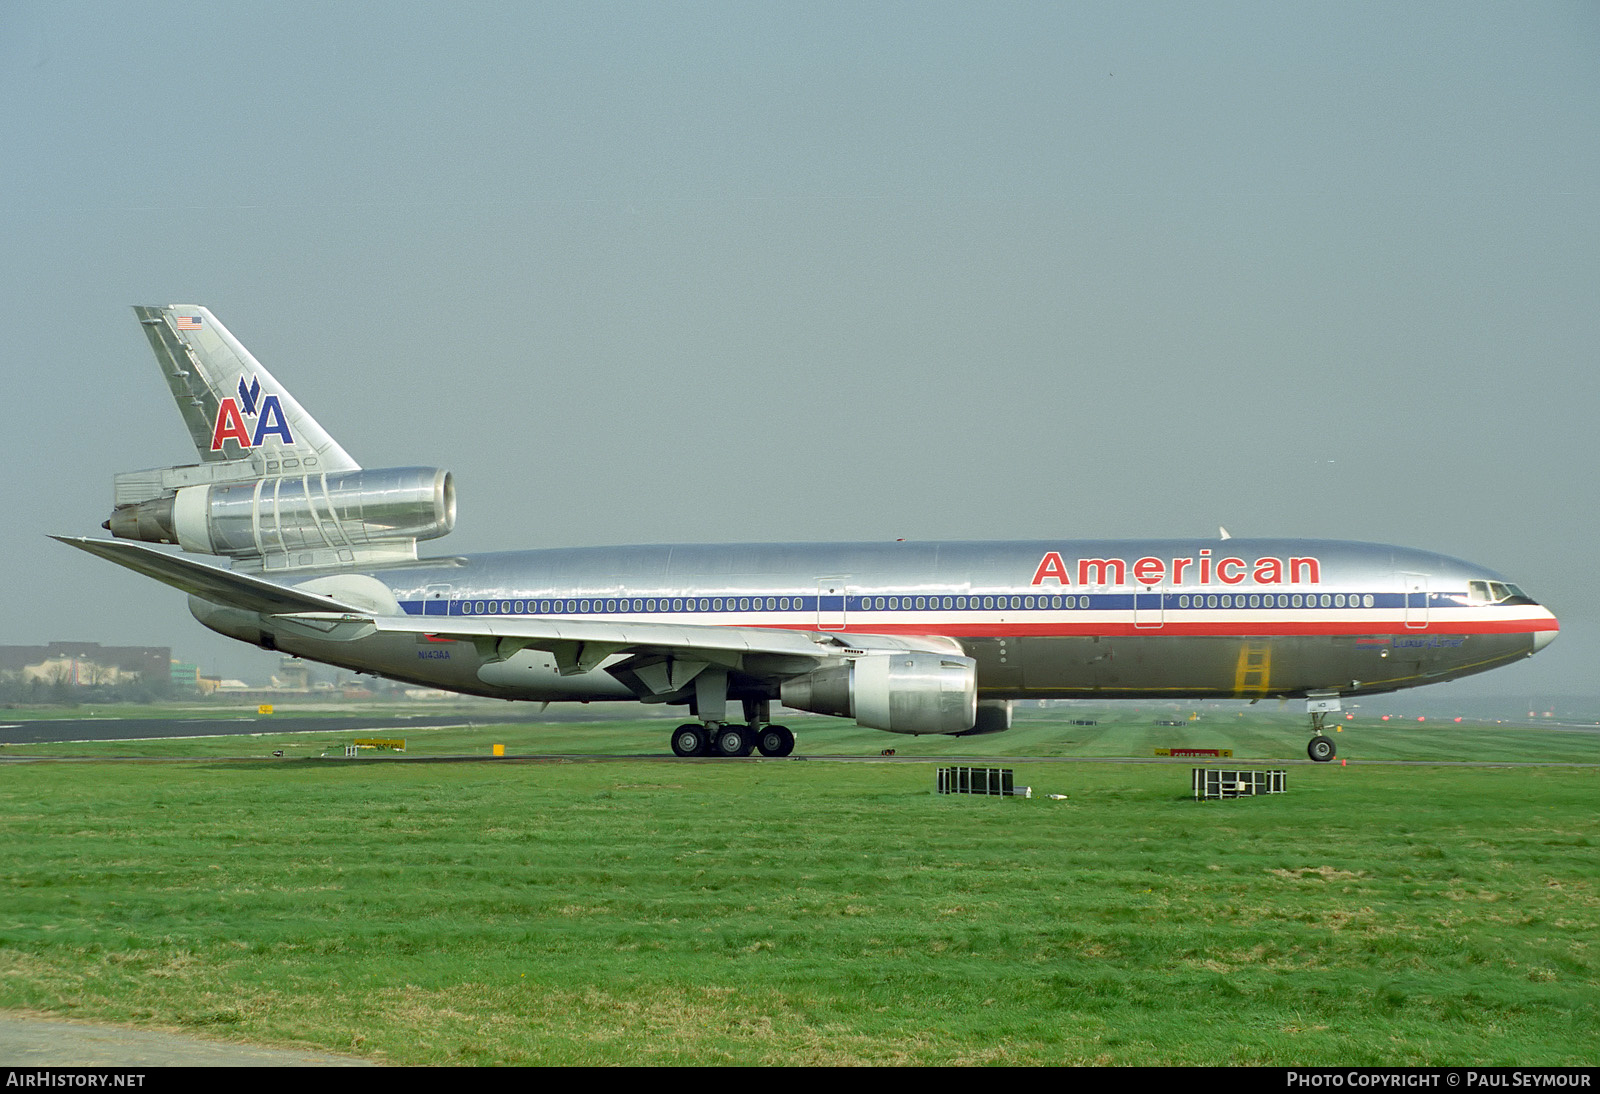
pixel 579 645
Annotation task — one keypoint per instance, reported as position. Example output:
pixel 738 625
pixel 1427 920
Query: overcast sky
pixel 748 271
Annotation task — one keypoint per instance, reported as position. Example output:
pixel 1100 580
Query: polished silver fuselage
pixel 1117 619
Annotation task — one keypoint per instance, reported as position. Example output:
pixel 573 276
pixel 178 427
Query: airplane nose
pixel 1541 639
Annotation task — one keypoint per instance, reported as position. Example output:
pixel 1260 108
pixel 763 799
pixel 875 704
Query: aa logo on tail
pixel 264 409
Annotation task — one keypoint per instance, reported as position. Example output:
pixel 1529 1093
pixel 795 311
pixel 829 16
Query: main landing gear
pixel 695 739
pixel 714 737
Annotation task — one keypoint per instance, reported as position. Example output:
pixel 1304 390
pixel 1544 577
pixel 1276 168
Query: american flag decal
pixel 188 322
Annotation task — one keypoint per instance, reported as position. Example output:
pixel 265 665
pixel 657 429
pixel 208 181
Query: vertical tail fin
pixel 235 409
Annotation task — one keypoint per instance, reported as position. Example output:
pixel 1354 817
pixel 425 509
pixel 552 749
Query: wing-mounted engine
pixel 907 692
pixel 285 522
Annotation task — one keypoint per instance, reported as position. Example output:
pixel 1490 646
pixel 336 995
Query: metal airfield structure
pixel 906 637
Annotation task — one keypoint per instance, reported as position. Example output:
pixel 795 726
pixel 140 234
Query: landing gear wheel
pixel 1321 749
pixel 689 740
pixel 733 741
pixel 775 741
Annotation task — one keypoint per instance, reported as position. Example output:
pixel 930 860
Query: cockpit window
pixel 1496 592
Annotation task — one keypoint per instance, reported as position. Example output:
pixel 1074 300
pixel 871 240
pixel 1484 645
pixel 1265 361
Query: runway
pixel 67 730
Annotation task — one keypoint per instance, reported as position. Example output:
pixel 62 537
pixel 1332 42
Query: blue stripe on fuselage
pixel 967 603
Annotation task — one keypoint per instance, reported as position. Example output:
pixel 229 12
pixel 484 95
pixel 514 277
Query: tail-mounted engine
pixel 900 692
pixel 289 521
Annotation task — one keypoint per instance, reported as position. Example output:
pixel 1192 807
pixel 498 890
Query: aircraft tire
pixel 775 741
pixel 1321 749
pixel 732 741
pixel 689 739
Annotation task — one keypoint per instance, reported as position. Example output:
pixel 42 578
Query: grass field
pixel 775 912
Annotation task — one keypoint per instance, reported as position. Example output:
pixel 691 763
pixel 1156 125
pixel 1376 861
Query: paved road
pixel 31 1041
pixel 128 729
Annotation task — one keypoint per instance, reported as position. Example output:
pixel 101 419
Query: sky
pixel 700 272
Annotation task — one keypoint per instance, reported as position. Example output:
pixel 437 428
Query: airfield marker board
pixel 1215 783
pixel 996 781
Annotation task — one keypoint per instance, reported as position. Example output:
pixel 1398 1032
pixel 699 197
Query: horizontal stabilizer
pixel 225 587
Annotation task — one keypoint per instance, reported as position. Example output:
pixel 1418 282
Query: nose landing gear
pixel 1321 748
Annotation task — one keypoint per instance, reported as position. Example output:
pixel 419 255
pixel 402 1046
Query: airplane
pixel 911 638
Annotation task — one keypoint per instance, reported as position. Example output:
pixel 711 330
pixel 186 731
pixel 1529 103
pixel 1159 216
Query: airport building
pixel 87 664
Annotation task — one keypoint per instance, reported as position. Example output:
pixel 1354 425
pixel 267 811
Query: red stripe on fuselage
pixel 1274 629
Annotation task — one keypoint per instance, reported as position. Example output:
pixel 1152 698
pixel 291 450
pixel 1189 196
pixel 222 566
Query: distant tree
pixel 61 689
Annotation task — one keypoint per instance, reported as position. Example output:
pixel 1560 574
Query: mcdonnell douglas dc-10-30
pixel 912 638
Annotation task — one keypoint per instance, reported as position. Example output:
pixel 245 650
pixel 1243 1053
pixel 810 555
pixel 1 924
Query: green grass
pixel 810 912
pixel 1123 732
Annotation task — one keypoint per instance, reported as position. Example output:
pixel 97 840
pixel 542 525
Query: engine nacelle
pixel 899 692
pixel 337 512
